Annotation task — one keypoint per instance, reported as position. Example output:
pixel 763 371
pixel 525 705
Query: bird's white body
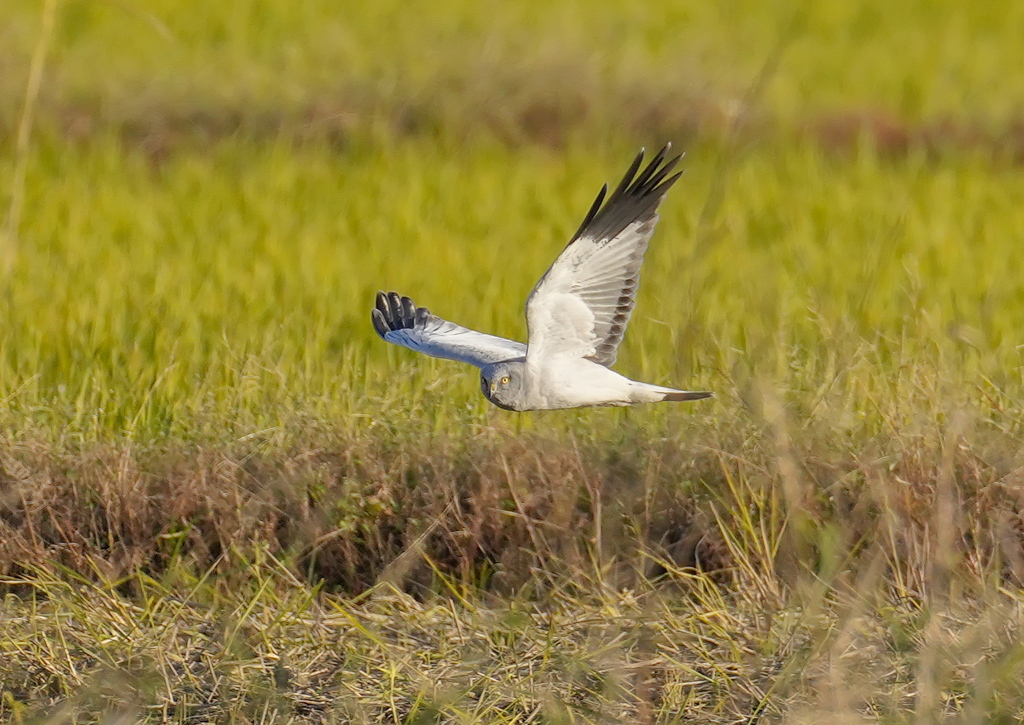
pixel 567 382
pixel 577 313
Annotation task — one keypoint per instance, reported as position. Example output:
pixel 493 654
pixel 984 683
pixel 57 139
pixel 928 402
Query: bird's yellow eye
pixel 504 380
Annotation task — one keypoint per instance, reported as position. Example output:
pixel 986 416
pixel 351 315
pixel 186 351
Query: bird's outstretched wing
pixel 397 319
pixel 582 304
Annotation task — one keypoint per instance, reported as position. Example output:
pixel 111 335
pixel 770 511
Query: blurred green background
pixel 212 192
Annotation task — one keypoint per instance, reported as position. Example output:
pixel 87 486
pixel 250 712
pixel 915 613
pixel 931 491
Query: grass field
pixel 222 498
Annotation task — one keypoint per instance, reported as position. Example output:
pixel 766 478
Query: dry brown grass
pixel 494 508
pixel 512 578
pixel 350 508
pixel 347 510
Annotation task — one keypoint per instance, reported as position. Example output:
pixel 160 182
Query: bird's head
pixel 502 384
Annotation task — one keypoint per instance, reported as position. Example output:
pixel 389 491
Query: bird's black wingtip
pixel 381 315
pixel 380 323
pixel 393 311
pixel 653 179
pixel 636 196
pixel 666 150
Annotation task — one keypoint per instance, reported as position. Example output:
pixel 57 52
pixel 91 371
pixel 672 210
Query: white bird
pixel 576 315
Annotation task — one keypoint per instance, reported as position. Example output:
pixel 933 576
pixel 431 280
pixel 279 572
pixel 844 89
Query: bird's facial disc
pixel 499 387
pixel 499 383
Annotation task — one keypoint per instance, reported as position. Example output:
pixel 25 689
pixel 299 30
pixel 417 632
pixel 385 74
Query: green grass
pixel 232 288
pixel 222 497
pixel 916 59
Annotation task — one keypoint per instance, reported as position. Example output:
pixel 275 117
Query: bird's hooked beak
pixel 493 388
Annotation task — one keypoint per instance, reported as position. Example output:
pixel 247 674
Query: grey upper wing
pixel 397 319
pixel 582 304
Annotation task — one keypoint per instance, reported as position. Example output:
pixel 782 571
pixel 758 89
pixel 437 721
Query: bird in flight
pixel 576 315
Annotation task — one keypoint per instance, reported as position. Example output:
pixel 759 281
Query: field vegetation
pixel 224 499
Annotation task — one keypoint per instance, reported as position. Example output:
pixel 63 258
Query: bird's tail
pixel 647 393
pixel 680 395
